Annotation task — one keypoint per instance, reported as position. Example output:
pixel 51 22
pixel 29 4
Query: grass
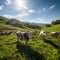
pixel 6 27
pixel 37 49
pixel 53 28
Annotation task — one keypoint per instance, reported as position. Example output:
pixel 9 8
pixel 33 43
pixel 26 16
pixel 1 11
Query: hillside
pixel 53 40
pixel 3 20
pixel 7 27
pixel 18 23
pixel 53 28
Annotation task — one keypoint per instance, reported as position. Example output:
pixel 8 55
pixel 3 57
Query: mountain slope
pixel 7 27
pixel 18 23
pixel 53 28
pixel 3 20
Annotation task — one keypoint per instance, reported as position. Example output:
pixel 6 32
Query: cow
pixel 24 36
pixel 55 34
pixel 6 33
pixel 3 33
pixel 43 34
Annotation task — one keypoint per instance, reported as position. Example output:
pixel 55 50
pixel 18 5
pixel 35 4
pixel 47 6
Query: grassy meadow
pixel 37 49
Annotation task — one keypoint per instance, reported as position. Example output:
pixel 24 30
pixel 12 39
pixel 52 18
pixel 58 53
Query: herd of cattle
pixel 43 34
pixel 6 33
pixel 28 35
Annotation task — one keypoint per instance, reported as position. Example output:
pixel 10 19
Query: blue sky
pixel 38 11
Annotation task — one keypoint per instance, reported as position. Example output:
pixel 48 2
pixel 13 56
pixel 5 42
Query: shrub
pixel 48 25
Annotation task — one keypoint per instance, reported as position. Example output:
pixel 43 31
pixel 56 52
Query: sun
pixel 21 4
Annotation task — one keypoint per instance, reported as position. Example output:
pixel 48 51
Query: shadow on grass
pixel 52 43
pixel 29 52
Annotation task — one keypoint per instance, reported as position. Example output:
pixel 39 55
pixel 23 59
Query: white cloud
pixel 41 10
pixel 31 11
pixel 44 9
pixel 23 14
pixel 1 7
pixel 51 7
pixel 20 15
pixel 26 13
pixel 8 2
pixel 8 16
pixel 39 20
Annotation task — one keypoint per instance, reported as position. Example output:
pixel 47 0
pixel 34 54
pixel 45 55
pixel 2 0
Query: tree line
pixel 53 23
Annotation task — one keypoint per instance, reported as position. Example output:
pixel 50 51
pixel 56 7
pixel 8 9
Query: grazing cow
pixel 55 34
pixel 6 33
pixel 20 35
pixel 43 34
pixel 24 35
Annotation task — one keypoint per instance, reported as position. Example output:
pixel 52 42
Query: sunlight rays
pixel 20 4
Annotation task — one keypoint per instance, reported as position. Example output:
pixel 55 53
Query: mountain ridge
pixel 18 23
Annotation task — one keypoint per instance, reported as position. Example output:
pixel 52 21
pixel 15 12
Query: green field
pixel 37 49
pixel 53 28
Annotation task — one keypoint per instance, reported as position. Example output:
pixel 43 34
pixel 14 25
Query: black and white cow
pixel 24 35
pixel 55 34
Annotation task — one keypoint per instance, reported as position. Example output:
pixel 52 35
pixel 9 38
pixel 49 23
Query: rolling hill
pixel 17 23
pixel 53 28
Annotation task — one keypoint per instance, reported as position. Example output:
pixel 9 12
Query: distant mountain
pixel 18 23
pixel 40 24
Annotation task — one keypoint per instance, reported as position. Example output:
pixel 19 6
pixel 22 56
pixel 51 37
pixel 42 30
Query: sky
pixel 38 11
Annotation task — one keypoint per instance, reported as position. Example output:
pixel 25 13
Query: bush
pixel 48 25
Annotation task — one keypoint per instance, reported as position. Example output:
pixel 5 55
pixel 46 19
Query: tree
pixel 55 22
